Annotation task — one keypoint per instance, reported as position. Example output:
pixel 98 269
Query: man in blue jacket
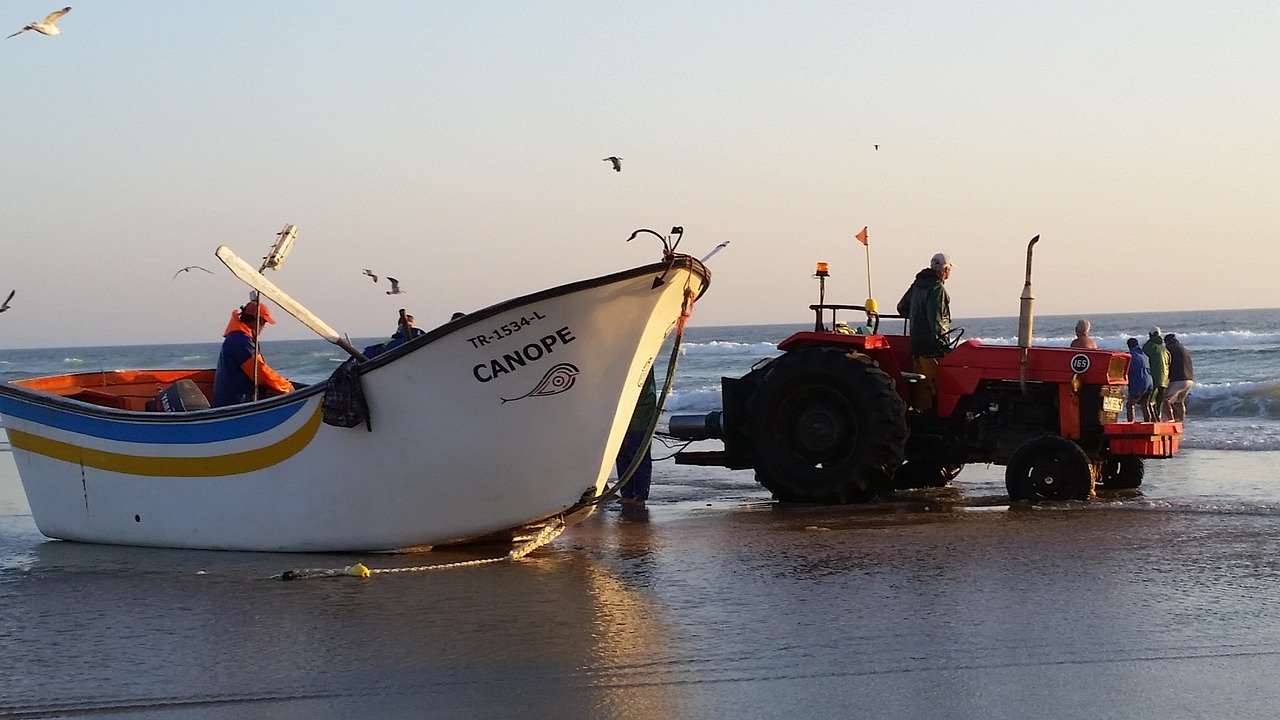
pixel 1140 384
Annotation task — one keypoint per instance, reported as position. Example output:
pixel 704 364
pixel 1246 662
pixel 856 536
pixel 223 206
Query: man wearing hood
pixel 1159 357
pixel 240 365
pixel 927 307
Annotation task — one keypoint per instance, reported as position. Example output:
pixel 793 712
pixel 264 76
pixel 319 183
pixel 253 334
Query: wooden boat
pixel 499 420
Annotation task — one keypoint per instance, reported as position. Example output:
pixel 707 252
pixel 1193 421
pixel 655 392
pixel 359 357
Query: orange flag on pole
pixel 862 236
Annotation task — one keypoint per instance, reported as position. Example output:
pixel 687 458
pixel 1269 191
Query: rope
pixel 549 532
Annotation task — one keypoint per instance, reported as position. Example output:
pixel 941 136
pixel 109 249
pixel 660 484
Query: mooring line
pixel 549 532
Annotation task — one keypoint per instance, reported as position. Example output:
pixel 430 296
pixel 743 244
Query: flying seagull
pixel 5 306
pixel 876 147
pixel 189 268
pixel 617 162
pixel 395 286
pixel 369 272
pixel 45 26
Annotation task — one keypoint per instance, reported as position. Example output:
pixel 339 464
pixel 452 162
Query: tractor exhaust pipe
pixel 697 427
pixel 1026 318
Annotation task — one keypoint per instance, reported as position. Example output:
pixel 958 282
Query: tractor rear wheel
pixel 1122 472
pixel 1049 468
pixel 827 426
pixel 920 474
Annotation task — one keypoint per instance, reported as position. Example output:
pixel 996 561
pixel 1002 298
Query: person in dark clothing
pixel 397 339
pixel 1181 378
pixel 242 375
pixel 927 307
pixel 636 491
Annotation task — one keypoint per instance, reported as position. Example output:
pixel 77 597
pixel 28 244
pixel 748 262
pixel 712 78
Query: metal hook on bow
pixel 668 249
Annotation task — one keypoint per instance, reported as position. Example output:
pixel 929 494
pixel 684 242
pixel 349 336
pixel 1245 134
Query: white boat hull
pixel 507 417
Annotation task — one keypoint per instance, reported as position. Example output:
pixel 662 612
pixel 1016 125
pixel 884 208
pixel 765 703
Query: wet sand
pixel 718 604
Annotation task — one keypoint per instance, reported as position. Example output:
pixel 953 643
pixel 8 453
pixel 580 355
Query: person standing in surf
pixel 240 365
pixel 1181 378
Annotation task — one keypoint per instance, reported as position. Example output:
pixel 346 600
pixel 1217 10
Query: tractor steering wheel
pixel 952 342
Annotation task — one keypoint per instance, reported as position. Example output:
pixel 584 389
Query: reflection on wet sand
pixel 106 628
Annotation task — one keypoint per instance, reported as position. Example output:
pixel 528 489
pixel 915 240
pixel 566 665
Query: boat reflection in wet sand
pixel 500 420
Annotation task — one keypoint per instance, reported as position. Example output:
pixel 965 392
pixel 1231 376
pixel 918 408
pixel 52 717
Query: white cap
pixel 1155 330
pixel 940 261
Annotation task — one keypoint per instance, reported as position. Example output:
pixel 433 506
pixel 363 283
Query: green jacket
pixel 646 406
pixel 927 307
pixel 1159 357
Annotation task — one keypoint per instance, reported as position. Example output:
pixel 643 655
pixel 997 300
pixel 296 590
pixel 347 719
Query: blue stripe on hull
pixel 171 432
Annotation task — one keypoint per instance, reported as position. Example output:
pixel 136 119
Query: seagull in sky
pixel 876 147
pixel 189 268
pixel 369 272
pixel 5 306
pixel 617 162
pixel 45 26
pixel 395 286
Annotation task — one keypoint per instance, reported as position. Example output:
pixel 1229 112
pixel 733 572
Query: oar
pixel 257 281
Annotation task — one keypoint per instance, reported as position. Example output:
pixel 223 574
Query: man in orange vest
pixel 240 364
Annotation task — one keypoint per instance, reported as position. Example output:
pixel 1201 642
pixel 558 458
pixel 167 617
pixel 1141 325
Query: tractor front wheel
pixel 1049 468
pixel 827 426
pixel 1122 472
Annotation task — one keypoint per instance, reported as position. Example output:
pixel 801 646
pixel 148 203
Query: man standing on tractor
pixel 1158 354
pixel 927 307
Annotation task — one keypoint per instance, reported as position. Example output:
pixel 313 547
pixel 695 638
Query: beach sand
pixel 715 604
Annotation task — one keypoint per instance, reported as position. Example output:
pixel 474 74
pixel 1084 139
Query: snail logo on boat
pixel 557 380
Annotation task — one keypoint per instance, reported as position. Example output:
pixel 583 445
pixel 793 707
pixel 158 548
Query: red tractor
pixel 830 420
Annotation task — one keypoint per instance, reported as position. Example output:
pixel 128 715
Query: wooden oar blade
pixel 257 281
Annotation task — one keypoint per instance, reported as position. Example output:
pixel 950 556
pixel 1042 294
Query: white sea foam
pixel 725 347
pixel 1225 338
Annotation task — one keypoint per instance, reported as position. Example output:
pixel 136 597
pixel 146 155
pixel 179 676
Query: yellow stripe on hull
pixel 212 466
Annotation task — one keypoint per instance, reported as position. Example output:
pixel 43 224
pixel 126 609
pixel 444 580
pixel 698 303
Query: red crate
pixel 1152 440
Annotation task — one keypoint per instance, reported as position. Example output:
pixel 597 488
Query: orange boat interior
pixel 120 389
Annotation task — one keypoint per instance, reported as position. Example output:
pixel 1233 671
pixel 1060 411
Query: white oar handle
pixel 259 282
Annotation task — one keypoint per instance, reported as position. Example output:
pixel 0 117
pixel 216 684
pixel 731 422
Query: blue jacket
pixel 231 386
pixel 396 340
pixel 238 364
pixel 1139 372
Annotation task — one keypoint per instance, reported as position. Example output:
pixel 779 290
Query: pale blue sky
pixel 457 146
